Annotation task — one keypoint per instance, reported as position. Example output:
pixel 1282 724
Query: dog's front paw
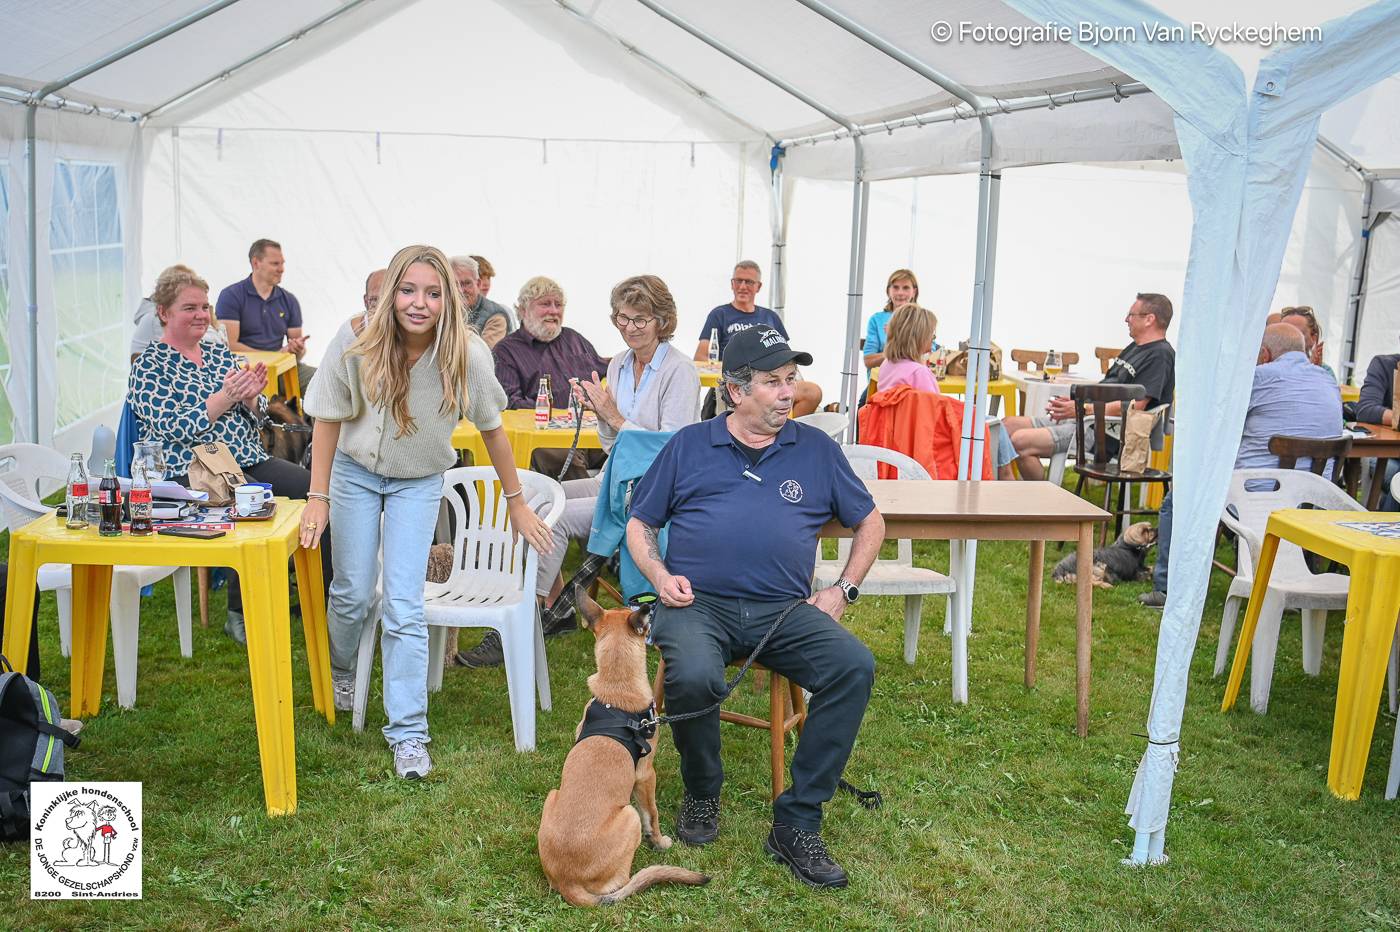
pixel 660 842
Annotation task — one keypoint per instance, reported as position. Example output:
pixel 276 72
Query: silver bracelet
pixel 515 493
pixel 318 496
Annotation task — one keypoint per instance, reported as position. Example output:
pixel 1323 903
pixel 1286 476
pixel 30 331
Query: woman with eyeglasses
pixel 650 386
pixel 1305 320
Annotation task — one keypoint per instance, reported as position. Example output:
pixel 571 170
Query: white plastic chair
pixel 897 576
pixel 492 585
pixel 831 423
pixel 37 471
pixel 1291 584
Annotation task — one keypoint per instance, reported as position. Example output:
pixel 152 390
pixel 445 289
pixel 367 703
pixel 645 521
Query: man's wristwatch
pixel 849 589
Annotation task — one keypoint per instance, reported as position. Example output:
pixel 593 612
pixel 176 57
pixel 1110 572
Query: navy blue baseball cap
pixel 761 348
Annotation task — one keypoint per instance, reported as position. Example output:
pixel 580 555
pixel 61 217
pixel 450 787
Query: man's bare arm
pixel 866 539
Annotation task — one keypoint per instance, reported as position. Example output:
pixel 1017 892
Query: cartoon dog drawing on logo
pixel 82 822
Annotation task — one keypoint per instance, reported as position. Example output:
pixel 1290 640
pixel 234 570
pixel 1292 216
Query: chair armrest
pixel 1253 544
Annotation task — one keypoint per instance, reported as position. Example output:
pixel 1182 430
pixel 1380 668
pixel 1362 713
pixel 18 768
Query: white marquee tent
pixel 592 140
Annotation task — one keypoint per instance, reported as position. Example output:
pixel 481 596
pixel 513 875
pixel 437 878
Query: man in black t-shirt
pixel 1148 361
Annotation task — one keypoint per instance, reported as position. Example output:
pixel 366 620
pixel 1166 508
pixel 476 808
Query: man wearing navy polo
pixel 259 314
pixel 746 495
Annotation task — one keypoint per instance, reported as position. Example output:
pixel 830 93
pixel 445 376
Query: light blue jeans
pixel 410 509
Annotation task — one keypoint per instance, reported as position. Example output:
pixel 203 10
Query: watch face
pixel 852 593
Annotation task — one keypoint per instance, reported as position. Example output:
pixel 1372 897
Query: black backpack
pixel 31 746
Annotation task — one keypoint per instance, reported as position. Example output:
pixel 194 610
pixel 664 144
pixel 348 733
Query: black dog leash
pixel 870 800
pixel 576 407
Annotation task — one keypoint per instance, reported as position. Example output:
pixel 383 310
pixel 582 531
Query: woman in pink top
pixel 910 333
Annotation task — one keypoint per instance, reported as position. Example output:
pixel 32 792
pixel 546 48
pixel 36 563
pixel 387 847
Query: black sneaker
pixel 486 654
pixel 1153 599
pixel 805 855
pixel 698 821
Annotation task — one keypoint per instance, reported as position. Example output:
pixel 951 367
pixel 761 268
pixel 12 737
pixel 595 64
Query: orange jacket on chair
pixel 922 425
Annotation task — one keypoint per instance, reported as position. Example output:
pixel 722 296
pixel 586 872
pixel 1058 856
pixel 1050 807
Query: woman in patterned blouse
pixel 185 390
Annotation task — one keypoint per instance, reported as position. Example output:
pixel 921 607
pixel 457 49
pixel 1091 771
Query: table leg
pixel 1365 655
pixel 1083 624
pixel 1033 590
pixel 92 593
pixel 19 603
pixel 1373 500
pixel 267 607
pixel 311 592
pixel 1267 552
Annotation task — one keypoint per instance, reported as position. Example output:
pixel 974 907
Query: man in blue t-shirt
pixel 746 495
pixel 260 315
pixel 743 313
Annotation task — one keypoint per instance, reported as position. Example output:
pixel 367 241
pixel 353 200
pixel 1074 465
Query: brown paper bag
pixel 1137 445
pixel 215 471
pixel 957 364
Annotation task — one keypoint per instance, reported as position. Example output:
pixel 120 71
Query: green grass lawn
pixel 996 814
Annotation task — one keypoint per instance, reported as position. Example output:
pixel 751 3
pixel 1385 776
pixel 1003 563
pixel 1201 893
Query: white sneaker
pixel 411 760
pixel 344 686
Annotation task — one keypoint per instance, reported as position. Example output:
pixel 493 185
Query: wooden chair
pixel 787 709
pixel 1098 464
pixel 1323 452
pixel 1106 356
pixel 1024 357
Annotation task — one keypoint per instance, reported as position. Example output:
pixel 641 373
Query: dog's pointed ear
pixel 592 611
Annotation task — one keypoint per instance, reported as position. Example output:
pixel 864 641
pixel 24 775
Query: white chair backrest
pixel 1291 488
pixel 831 423
pixel 28 473
pixel 482 544
pixel 864 460
pixel 1395 487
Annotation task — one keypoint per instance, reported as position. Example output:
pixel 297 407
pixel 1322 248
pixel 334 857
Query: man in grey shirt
pixel 493 321
pixel 1290 396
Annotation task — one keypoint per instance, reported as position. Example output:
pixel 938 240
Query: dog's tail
pixel 647 876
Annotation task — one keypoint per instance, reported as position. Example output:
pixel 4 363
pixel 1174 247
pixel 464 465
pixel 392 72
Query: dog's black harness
pixel 632 730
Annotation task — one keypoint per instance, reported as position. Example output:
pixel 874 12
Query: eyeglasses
pixel 636 323
pixel 741 282
pixel 1141 314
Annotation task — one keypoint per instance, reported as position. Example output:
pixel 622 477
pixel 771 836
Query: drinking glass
pixel 1054 365
pixel 150 454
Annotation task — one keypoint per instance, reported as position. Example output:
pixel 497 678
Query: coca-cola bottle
pixel 77 494
pixel 139 501
pixel 109 499
pixel 543 404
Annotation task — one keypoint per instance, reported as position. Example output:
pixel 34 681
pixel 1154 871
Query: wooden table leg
pixel 266 611
pixel 1083 624
pixel 1033 592
pixel 1365 655
pixel 311 592
pixel 19 603
pixel 92 593
pixel 1267 552
pixel 1373 500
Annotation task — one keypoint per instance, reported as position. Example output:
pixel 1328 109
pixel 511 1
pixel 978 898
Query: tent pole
pixel 778 224
pixel 31 132
pixel 1356 294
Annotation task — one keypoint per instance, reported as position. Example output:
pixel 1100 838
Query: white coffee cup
pixel 250 499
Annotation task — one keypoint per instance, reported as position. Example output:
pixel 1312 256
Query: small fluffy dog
pixel 589 830
pixel 1124 561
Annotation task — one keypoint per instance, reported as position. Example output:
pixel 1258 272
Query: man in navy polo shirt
pixel 259 314
pixel 746 494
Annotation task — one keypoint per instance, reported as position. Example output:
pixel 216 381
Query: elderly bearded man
pixel 746 495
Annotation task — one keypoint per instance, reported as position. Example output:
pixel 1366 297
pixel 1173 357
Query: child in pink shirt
pixel 909 334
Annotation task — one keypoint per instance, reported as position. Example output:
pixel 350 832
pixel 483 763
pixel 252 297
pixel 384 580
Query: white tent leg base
pixel 1147 850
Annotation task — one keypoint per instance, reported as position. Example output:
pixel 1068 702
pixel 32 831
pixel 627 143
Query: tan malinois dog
pixel 589 830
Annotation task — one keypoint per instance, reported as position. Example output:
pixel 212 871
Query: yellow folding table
pixel 524 437
pixel 257 550
pixel 1373 603
pixel 281 373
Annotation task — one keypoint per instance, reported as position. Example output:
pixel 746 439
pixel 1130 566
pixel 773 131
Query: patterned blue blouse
pixel 167 392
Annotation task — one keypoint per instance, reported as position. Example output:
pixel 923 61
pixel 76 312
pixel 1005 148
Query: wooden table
pixel 258 551
pixel 282 373
pixel 1035 392
pixel 1030 511
pixel 1383 443
pixel 1003 389
pixel 524 438
pixel 1373 602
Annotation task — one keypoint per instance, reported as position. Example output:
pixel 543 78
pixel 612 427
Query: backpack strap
pixel 14 816
pixel 5 665
pixel 58 732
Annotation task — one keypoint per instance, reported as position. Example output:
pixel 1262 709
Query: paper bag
pixel 1137 445
pixel 957 364
pixel 215 471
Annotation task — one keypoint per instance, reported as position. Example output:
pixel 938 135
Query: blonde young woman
pixel 390 389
